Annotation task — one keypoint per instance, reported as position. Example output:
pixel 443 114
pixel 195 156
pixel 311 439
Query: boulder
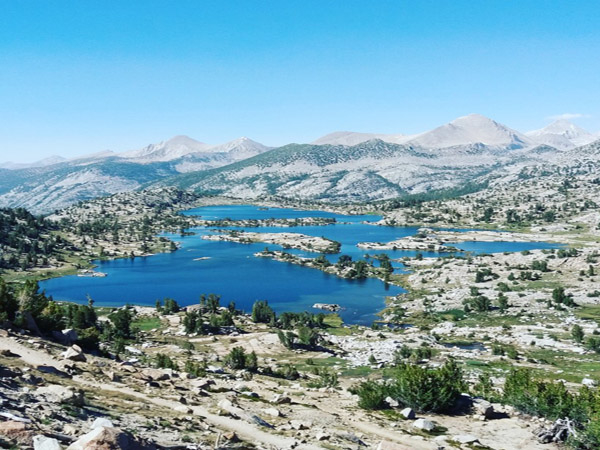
pixel 465 439
pixel 29 378
pixel 408 413
pixel 53 371
pixel 74 353
pixel 299 425
pixel 109 438
pixel 424 424
pixel 66 337
pixel 273 412
pixel 155 374
pixel 70 430
pixel 101 422
pixel 322 436
pixel 231 437
pixel 18 433
pixel 112 376
pixel 588 382
pixel 56 393
pixel 393 403
pixel 183 409
pixel 483 407
pixel 281 399
pixel 41 442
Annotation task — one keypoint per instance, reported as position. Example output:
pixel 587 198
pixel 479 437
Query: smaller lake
pixel 232 271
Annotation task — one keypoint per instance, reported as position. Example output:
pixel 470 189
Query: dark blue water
pixel 237 275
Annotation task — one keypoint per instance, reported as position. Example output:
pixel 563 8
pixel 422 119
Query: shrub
pixel 420 388
pixel 236 359
pixel 262 312
pixel 372 395
pixel 577 333
pixel 541 398
pixel 165 362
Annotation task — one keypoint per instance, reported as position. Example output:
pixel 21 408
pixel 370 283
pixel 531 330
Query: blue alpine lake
pixel 232 271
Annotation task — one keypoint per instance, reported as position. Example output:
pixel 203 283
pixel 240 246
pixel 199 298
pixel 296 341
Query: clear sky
pixel 79 77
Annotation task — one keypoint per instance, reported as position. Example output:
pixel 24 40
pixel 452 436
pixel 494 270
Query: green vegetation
pixel 27 241
pixel 421 388
pixel 237 359
pixel 553 400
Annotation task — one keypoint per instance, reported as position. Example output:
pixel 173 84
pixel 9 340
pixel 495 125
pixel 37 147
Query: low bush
pixel 420 388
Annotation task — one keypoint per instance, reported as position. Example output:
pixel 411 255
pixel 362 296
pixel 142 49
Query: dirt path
pixel 243 429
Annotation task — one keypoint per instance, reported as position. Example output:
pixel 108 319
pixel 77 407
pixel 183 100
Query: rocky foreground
pixel 54 396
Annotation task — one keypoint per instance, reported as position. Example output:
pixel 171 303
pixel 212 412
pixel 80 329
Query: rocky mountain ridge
pixel 355 170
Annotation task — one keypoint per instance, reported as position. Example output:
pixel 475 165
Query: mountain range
pixel 341 166
pixel 472 129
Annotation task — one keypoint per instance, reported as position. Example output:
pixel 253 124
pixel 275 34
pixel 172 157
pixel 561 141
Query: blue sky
pixel 84 76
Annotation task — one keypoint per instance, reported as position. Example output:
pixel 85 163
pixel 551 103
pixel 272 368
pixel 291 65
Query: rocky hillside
pixel 28 242
pixel 45 188
pixel 121 225
pixel 372 170
pixel 557 195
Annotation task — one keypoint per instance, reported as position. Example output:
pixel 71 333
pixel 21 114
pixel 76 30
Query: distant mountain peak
pixel 472 129
pixel 351 138
pixel 49 161
pixel 562 134
pixel 240 147
pixel 174 148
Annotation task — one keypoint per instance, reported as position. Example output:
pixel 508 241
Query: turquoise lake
pixel 233 271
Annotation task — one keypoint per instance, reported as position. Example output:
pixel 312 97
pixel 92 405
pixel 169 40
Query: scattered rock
pixel 424 424
pixel 155 374
pixel 250 394
pixel 299 425
pixel 74 353
pixel 41 442
pixel 101 422
pixel 56 393
pixel 70 430
pixel 6 352
pixel 588 382
pixel 465 439
pixel 66 337
pixel 483 408
pixel 408 413
pixel 322 436
pixel 393 403
pixel 231 437
pixel 281 399
pixel 53 371
pixel 29 378
pixel 184 409
pixel 17 432
pixel 112 376
pixel 103 438
pixel 273 412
